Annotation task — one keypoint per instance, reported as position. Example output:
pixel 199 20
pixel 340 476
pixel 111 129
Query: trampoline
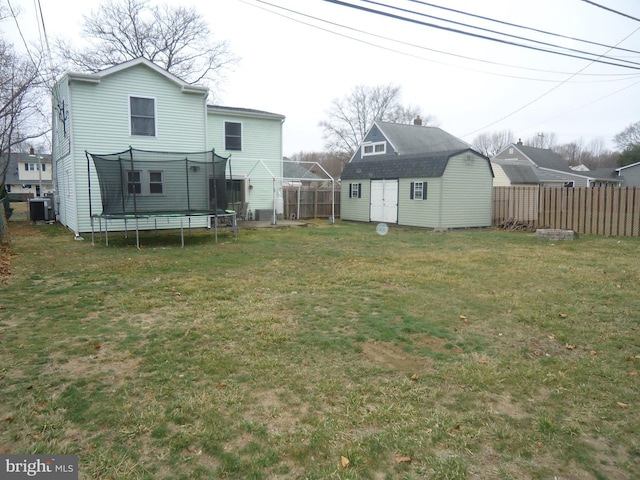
pixel 138 185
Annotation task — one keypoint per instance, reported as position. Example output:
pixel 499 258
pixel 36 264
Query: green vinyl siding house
pixel 142 106
pixel 416 176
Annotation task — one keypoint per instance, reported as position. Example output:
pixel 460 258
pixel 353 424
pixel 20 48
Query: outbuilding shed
pixel 417 176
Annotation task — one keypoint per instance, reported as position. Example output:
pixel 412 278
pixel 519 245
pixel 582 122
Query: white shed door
pixel 384 201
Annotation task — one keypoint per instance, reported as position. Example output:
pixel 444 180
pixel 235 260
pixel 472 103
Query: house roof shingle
pixel 545 158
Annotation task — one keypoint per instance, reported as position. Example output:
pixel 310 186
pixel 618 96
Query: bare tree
pixel 21 113
pixel 542 140
pixel 629 137
pixel 350 117
pixel 490 144
pixel 175 38
pixel 333 163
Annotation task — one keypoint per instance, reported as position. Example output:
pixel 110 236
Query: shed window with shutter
pixel 418 191
pixel 355 190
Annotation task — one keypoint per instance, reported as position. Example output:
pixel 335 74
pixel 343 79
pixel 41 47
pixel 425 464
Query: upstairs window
pixel 143 116
pixel 378 148
pixel 232 136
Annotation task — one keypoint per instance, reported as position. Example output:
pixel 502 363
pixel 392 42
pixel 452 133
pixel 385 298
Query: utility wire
pixel 422 47
pixel 545 93
pixel 611 10
pixel 413 12
pixel 509 24
pixel 475 35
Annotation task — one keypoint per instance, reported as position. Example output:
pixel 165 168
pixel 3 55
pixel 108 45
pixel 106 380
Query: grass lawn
pixel 323 352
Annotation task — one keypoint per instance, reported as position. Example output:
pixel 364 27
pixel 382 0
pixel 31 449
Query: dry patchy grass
pixel 456 355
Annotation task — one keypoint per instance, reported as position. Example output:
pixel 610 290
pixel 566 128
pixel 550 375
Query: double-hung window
pixel 143 116
pixel 418 191
pixel 232 136
pixel 155 182
pixel 145 182
pixel 134 182
pixel 355 190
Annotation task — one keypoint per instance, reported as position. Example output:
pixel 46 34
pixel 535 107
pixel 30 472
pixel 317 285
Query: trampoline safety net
pixel 139 182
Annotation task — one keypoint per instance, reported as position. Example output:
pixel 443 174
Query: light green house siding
pixel 259 162
pixel 99 121
pixel 102 125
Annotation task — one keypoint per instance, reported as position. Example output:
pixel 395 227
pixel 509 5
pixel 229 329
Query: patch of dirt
pixel 394 357
pixel 113 368
pixel 5 265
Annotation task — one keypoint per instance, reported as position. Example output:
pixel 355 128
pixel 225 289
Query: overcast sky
pixel 297 56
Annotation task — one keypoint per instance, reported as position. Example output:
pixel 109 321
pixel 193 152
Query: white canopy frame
pixel 313 178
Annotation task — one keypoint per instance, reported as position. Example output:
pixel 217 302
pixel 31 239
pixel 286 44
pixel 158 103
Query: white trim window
pixel 233 136
pixel 142 114
pixel 145 182
pixel 355 190
pixel 418 191
pixel 134 182
pixel 374 148
pixel 156 182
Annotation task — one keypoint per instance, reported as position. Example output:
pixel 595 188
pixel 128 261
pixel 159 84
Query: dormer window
pixel 377 148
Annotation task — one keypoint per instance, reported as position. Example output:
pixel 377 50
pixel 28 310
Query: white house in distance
pixel 140 105
pixel 29 175
pixel 416 176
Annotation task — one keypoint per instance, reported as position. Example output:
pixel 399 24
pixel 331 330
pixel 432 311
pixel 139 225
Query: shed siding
pixel 466 192
pixel 420 213
pixel 356 209
pixel 261 141
pixel 101 125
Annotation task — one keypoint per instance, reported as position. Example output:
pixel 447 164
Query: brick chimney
pixel 519 141
pixel 32 151
pixel 417 121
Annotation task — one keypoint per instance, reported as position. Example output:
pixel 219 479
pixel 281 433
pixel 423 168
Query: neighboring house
pixel 138 104
pixel 29 175
pixel 520 163
pixel 629 175
pixel 416 176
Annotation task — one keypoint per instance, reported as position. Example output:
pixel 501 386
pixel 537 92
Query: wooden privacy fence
pixel 589 210
pixel 310 202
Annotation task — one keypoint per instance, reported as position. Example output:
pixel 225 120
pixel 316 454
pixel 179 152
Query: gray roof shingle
pixel 415 139
pixel 426 165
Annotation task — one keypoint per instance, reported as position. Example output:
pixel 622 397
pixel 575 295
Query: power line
pixel 413 12
pixel 544 94
pixel 475 35
pixel 509 24
pixel 295 12
pixel 611 10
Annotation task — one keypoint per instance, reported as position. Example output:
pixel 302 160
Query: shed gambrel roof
pixel 427 165
pixel 416 139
